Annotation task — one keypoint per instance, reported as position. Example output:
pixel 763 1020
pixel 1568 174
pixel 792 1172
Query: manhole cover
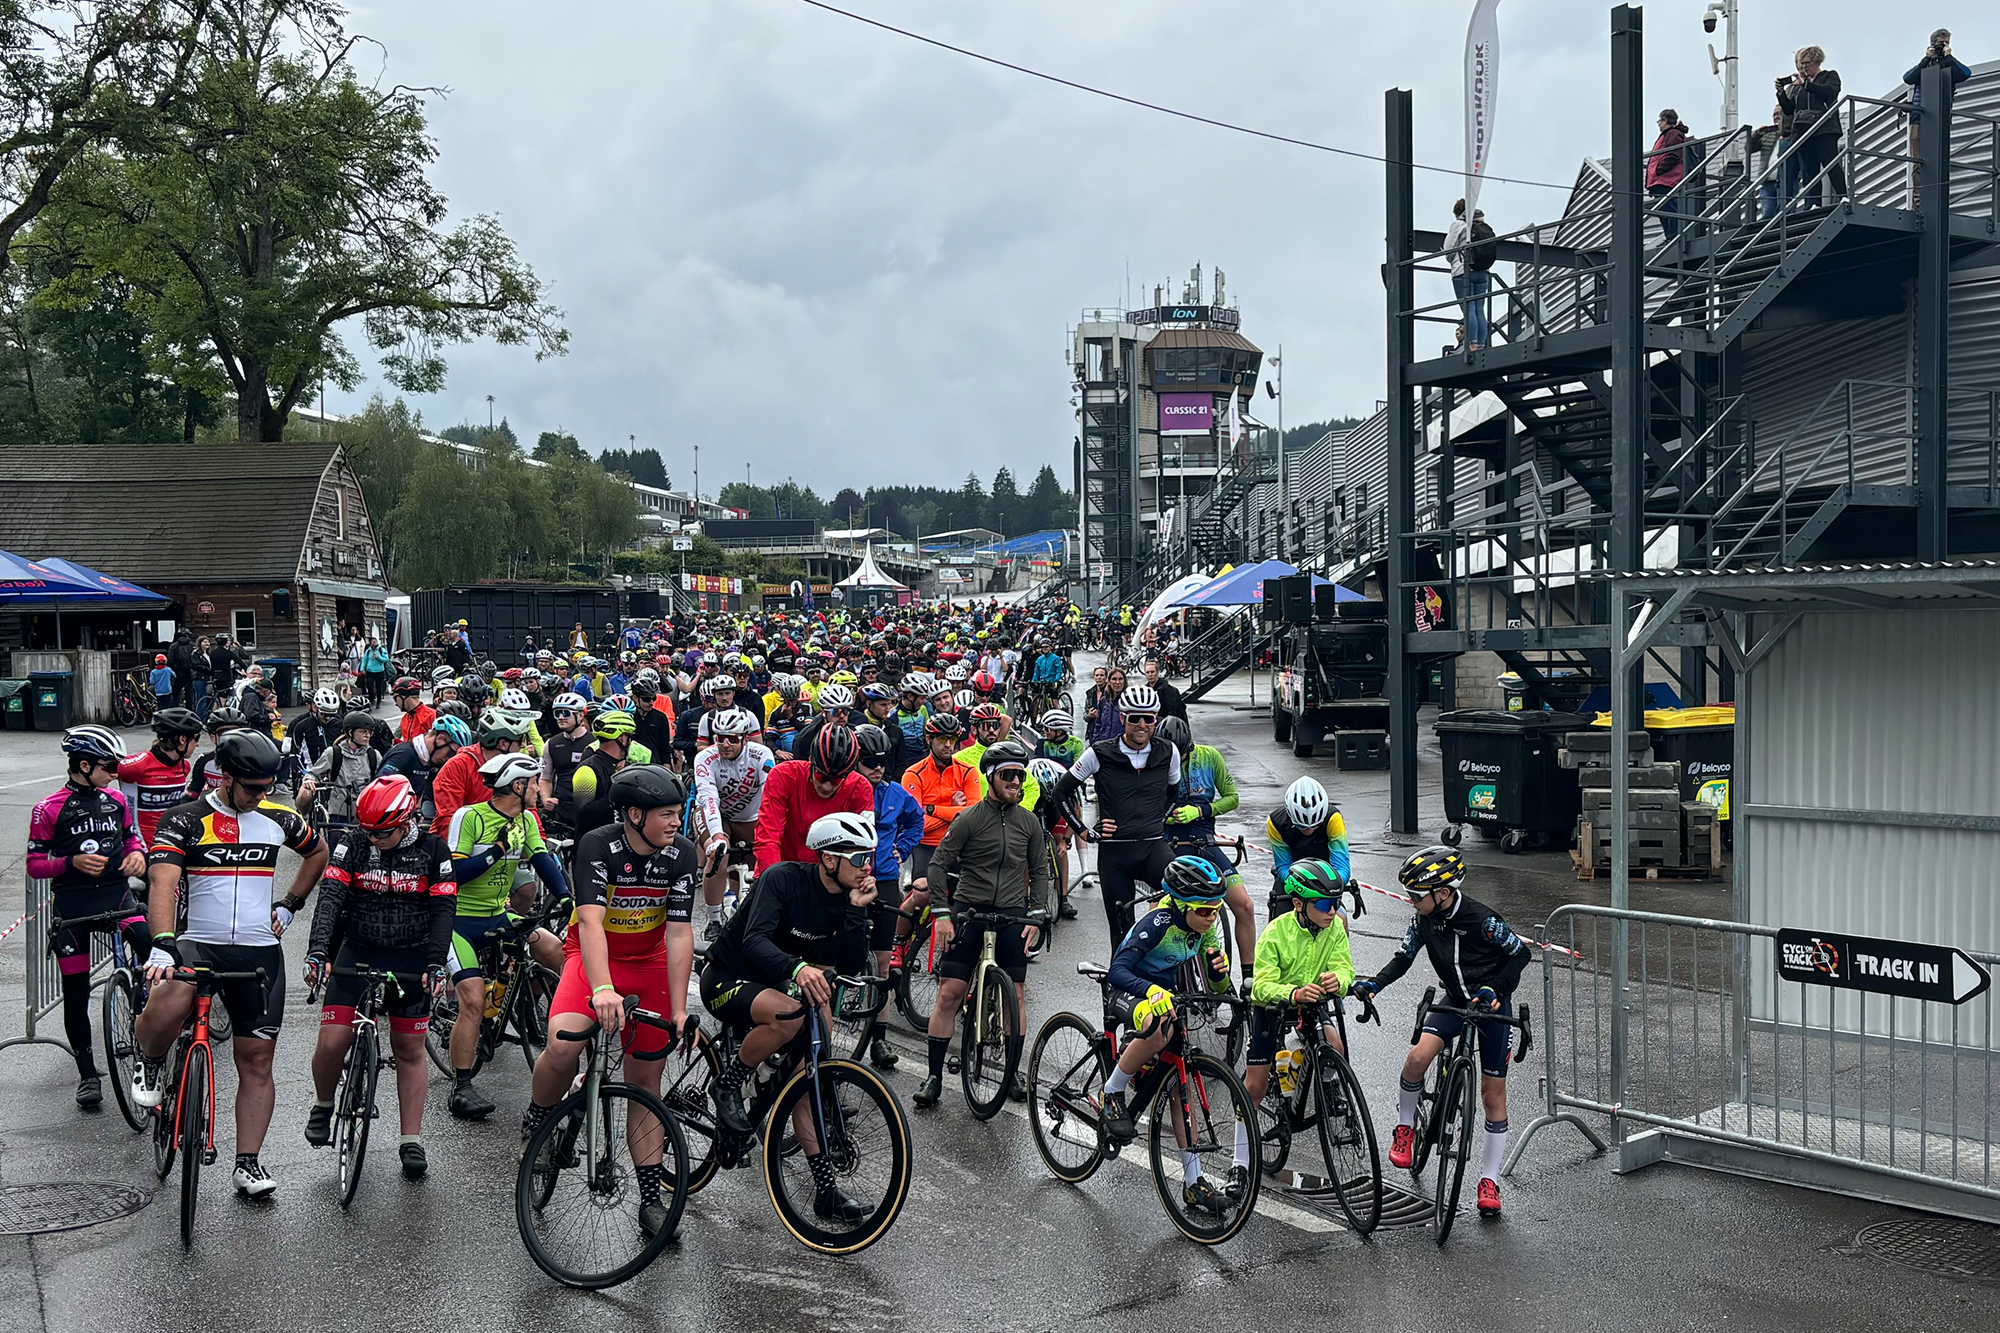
pixel 65 1205
pixel 1400 1208
pixel 1968 1251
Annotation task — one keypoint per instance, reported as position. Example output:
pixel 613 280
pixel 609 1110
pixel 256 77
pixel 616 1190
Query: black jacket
pixel 1811 104
pixel 790 919
pixel 1469 946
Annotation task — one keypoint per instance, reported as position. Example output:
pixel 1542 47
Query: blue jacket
pixel 899 827
pixel 581 685
pixel 614 683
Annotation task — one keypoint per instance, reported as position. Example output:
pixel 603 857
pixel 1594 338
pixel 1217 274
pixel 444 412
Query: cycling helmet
pixel 405 685
pixel 943 724
pixel 452 729
pixel 842 832
pixel 1314 881
pixel 511 675
pixel 1174 731
pixel 325 700
pixel 983 682
pixel 874 744
pixel 845 677
pixel 835 751
pixel 965 699
pixel 733 722
pixel 710 659
pixel 1431 869
pixel 836 696
pixel 1056 720
pixel 875 692
pixel 708 686
pixel 1139 699
pixel 613 724
pixel 495 725
pixel 1306 803
pixel 386 803
pixel 443 675
pixel 93 742
pixel 1003 752
pixel 987 712
pixel 913 683
pixel 248 754
pixel 225 719
pixel 530 676
pixel 176 722
pixel 516 701
pixel 1192 881
pixel 504 770
pixel 725 681
pixel 569 702
pixel 956 673
pixel 456 708
pixel 357 721
pixel 619 703
pixel 646 685
pixel 789 689
pixel 1046 773
pixel 646 787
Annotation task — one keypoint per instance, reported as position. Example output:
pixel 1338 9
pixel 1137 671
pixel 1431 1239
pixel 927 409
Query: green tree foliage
pixel 917 511
pixel 1004 508
pixel 1304 437
pixel 553 444
pixel 644 466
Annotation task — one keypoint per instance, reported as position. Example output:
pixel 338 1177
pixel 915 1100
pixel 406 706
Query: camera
pixel 1708 21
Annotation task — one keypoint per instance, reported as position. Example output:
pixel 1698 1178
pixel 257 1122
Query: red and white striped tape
pixel 20 920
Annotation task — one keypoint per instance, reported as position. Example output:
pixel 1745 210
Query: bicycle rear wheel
pixel 1430 1119
pixel 1274 1129
pixel 1066 1073
pixel 194 1135
pixel 917 987
pixel 855 1010
pixel 1200 1116
pixel 577 1201
pixel 354 1106
pixel 166 1133
pixel 868 1142
pixel 121 1048
pixel 686 1086
pixel 437 1036
pixel 1347 1141
pixel 1454 1146
pixel 124 707
pixel 989 1042
pixel 534 990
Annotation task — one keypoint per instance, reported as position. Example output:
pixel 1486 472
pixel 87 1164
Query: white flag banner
pixel 1235 424
pixel 1482 93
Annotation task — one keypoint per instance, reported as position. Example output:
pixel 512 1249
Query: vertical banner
pixel 1482 93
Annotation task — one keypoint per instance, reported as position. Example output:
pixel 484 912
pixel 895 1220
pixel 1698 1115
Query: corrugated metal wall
pixel 1892 711
pixel 1788 373
pixel 1975 377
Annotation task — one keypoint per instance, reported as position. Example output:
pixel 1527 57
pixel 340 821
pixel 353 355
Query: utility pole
pixel 489 413
pixel 1284 499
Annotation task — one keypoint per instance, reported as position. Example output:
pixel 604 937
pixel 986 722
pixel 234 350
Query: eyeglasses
pixel 1209 910
pixel 859 860
pixel 1418 895
pixel 1010 774
pixel 1141 719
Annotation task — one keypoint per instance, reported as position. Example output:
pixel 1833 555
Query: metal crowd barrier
pixel 44 980
pixel 1682 1031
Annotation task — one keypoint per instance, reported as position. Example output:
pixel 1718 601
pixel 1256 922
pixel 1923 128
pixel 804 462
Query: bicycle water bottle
pixel 1288 1061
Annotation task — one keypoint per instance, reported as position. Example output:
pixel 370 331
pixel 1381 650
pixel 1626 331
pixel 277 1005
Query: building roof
pixel 1204 338
pixel 164 513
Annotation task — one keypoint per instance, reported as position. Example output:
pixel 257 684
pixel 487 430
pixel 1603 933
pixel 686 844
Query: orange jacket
pixel 457 783
pixel 944 793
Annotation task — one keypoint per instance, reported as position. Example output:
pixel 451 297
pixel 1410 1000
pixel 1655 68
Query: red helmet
pixel 836 750
pixel 159 659
pixel 983 682
pixel 511 674
pixel 386 803
pixel 987 713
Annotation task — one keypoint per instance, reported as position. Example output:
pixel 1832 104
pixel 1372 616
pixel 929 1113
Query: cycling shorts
pixel 645 978
pixel 407 1008
pixel 1496 1039
pixel 254 1011
pixel 469 935
pixel 730 998
pixel 884 920
pixel 1268 1026
pixel 1009 950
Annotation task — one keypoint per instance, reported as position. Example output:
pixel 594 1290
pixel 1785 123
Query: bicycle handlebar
pixel 633 1014
pixel 1429 1006
pixel 57 923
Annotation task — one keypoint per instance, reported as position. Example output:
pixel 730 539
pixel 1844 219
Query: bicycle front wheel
pixel 121 1047
pixel 1455 1140
pixel 686 1085
pixel 1066 1073
pixel 1202 1116
pixel 166 1131
pixel 194 1135
pixel 866 1143
pixel 1347 1141
pixel 917 988
pixel 354 1106
pixel 437 1036
pixel 578 1194
pixel 1274 1129
pixel 124 709
pixel 989 1042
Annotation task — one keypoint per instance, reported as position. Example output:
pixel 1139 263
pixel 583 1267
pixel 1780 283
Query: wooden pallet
pixel 1586 872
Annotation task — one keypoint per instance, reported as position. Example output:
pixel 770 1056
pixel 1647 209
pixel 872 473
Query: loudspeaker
pixel 1298 599
pixel 281 603
pixel 1272 609
pixel 1324 602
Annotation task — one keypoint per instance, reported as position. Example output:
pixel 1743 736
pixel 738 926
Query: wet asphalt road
pixel 988 1240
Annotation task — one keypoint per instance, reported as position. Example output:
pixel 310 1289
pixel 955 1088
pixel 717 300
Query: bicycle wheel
pixel 867 1139
pixel 1066 1073
pixel 437 1036
pixel 354 1106
pixel 194 1136
pixel 1214 1105
pixel 1430 1104
pixel 534 990
pixel 917 987
pixel 1274 1129
pixel 989 1042
pixel 1454 1146
pixel 124 708
pixel 855 1009
pixel 1347 1141
pixel 577 1195
pixel 121 1048
pixel 686 1085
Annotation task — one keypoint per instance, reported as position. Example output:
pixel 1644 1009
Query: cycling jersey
pixel 1291 844
pixel 641 895
pixel 791 805
pixel 152 785
pixel 790 920
pixel 79 819
pixel 1206 785
pixel 417 722
pixel 1158 944
pixel 945 791
pixel 402 898
pixel 1292 953
pixel 562 755
pixel 228 859
pixel 910 722
pixel 474 830
pixel 731 789
pixel 1469 946
pixel 204 775
pixel 1133 787
pixel 1065 751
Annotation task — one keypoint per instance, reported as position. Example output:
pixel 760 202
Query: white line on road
pixel 30 782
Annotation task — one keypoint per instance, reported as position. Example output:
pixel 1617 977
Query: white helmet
pixel 732 722
pixel 836 696
pixel 842 832
pixel 516 701
pixel 1056 720
pixel 325 700
pixel 530 676
pixel 1140 699
pixel 1306 803
pixel 956 673
pixel 443 675
pixel 725 681
pixel 569 702
pixel 504 770
pixel 965 699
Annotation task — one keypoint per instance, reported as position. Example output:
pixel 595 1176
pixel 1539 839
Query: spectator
pixel 1766 143
pixel 1171 703
pixel 202 670
pixel 1471 276
pixel 457 654
pixel 1666 167
pixel 1812 96
pixel 1104 718
pixel 161 678
pixel 375 670
pixel 1937 53
pixel 180 656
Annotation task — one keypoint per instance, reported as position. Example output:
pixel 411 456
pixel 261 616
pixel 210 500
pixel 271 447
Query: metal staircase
pixel 1223 649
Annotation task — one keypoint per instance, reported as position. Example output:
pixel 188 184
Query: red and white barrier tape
pixel 22 919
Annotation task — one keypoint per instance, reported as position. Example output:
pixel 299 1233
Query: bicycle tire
pixel 1207 1075
pixel 1428 1104
pixel 534 991
pixel 193 1136
pixel 121 1046
pixel 1066 1074
pixel 166 1132
pixel 1274 1129
pixel 986 1065
pixel 917 987
pixel 847 1039
pixel 1347 1140
pixel 535 1190
pixel 354 1106
pixel 880 1145
pixel 124 709
pixel 1453 1149
pixel 687 1087
pixel 437 1033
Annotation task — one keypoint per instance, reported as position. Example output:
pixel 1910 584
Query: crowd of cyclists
pixel 734 805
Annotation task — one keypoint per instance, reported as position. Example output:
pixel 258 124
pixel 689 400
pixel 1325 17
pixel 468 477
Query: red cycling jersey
pixel 152 786
pixel 791 805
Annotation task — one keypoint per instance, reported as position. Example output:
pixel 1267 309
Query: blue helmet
pixel 1193 881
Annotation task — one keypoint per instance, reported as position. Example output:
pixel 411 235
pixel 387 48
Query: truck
pixel 1330 677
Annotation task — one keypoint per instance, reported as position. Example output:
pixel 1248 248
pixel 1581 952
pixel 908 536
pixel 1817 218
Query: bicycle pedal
pixel 208 1157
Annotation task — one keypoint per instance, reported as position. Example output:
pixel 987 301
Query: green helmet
pixel 1314 881
pixel 495 725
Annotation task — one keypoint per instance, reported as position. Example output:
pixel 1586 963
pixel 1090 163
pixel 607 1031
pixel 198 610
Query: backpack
pixel 1484 250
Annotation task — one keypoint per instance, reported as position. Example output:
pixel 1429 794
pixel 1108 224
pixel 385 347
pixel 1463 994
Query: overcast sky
pixel 842 256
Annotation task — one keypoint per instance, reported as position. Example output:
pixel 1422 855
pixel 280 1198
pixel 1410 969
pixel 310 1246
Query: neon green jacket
pixel 1291 954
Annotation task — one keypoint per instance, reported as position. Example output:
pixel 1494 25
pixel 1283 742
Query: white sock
pixel 1496 1150
pixel 1241 1157
pixel 1118 1082
pixel 1190 1167
pixel 1406 1104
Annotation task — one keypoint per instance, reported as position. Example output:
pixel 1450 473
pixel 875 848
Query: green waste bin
pixel 51 697
pixel 284 676
pixel 15 706
pixel 1501 775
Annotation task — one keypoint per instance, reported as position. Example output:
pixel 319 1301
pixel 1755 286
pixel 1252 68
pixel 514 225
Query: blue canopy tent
pixel 60 585
pixel 1244 586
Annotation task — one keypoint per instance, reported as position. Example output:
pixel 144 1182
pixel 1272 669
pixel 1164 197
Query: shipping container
pixel 500 616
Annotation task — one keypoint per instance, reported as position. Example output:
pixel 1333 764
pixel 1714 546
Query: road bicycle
pixel 184 1121
pixel 1225 1039
pixel 1194 1106
pixel 1448 1110
pixel 989 1020
pixel 913 968
pixel 518 992
pixel 577 1194
pixel 354 1099
pixel 1322 1093
pixel 802 1094
pixel 124 996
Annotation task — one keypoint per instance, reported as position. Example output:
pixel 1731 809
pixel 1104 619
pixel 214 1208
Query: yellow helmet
pixel 613 724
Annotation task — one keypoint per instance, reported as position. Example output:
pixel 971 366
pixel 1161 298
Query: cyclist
pixel 407 695
pixel 943 784
pixel 729 781
pixel 1136 779
pixel 590 784
pixel 458 782
pixel 1059 822
pixel 1307 827
pixel 420 759
pixel 802 916
pixel 1478 960
pixel 899 828
pixel 386 902
pixel 631 933
pixel 345 767
pixel 209 902
pixel 563 753
pixel 1205 791
pixel 1139 987
pixel 798 792
pixel 653 715
pixel 833 707
pixel 155 780
pixel 995 855
pixel 488 842
pixel 317 730
pixel 878 704
pixel 82 839
pixel 909 716
pixel 205 774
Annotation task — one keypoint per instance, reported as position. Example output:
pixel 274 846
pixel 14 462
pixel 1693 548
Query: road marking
pixel 30 782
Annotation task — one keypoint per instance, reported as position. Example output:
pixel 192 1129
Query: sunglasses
pixel 254 788
pixel 1418 895
pixel 1143 719
pixel 1209 910
pixel 859 860
pixel 1010 775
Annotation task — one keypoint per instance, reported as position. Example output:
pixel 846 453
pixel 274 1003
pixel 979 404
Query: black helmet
pixel 1431 869
pixel 874 741
pixel 176 722
pixel 248 754
pixel 646 786
pixel 455 708
pixel 357 721
pixel 1003 752
pixel 225 719
pixel 1174 731
pixel 835 751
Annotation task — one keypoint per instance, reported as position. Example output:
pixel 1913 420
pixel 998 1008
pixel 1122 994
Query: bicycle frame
pixel 197 1036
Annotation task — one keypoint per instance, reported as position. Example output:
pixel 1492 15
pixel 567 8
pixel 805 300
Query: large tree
pixel 282 197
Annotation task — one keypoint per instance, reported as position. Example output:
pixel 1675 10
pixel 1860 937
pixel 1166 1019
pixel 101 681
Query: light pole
pixel 1284 499
pixel 489 413
pixel 1725 65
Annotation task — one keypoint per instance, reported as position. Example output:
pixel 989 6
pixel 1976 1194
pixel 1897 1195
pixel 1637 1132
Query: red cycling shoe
pixel 1403 1147
pixel 1489 1197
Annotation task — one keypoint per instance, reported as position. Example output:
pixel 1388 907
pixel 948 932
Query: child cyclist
pixel 1305 959
pixel 1479 961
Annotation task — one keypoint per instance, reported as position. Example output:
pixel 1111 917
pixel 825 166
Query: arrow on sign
pixel 1967 977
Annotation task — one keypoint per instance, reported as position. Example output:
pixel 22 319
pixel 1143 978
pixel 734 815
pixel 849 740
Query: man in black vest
pixel 1136 780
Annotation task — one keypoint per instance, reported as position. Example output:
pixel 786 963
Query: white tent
pixel 869 575
pixel 1163 605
